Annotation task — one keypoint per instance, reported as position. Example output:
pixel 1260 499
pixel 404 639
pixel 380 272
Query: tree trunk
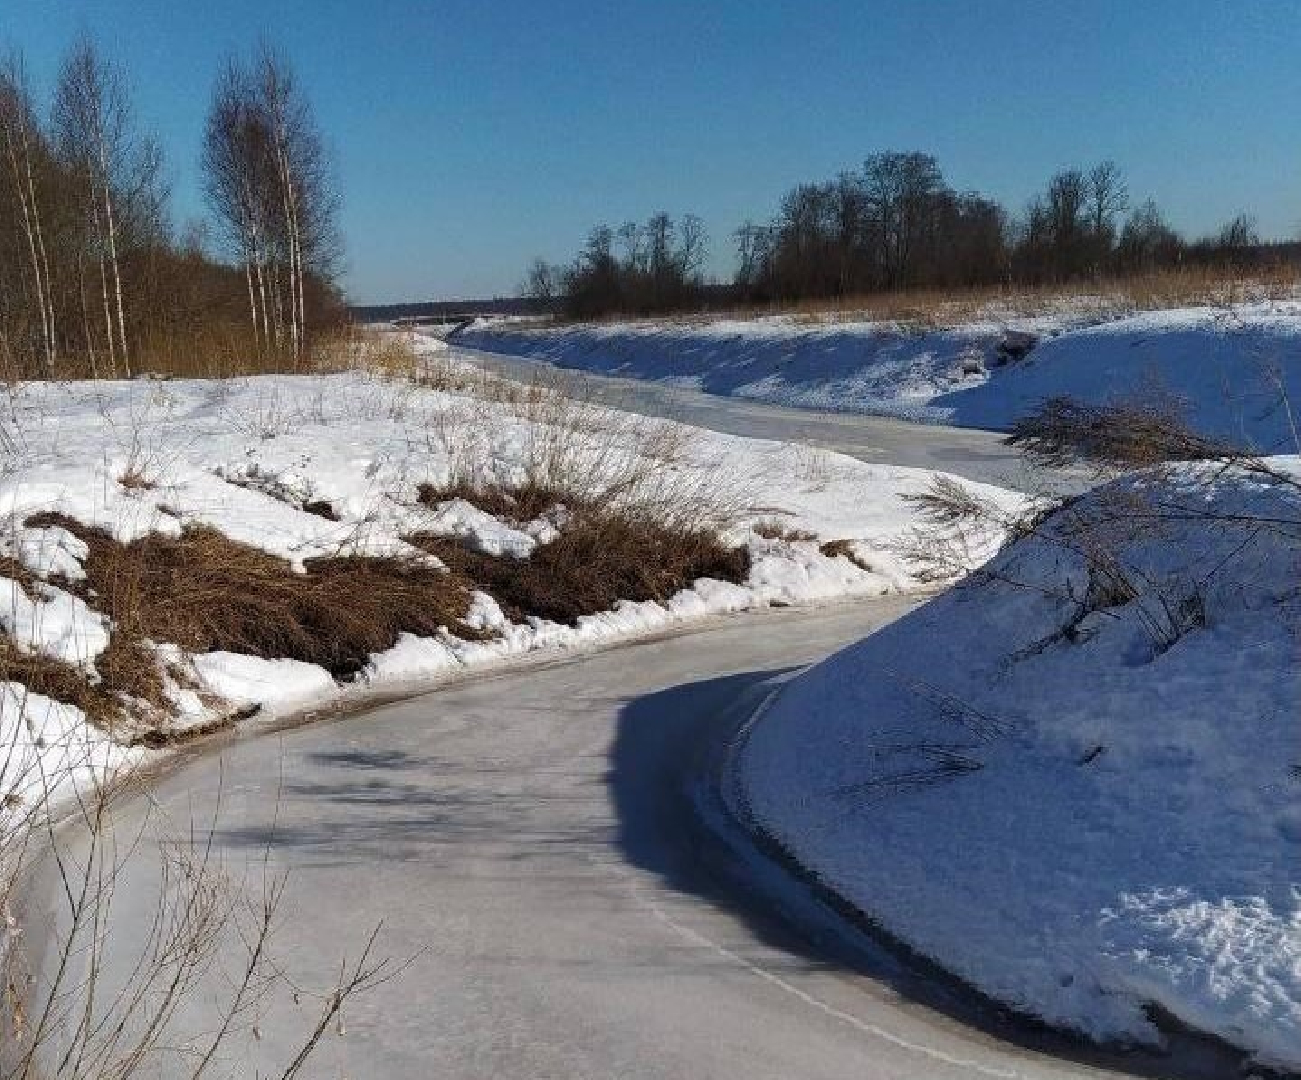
pixel 113 259
pixel 25 190
pixel 85 315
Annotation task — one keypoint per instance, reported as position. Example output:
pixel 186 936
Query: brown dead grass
pixel 604 553
pixel 13 569
pixel 773 529
pixel 135 480
pixel 59 681
pixel 205 592
pixel 833 548
pixel 519 503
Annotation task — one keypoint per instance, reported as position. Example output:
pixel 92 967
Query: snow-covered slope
pixel 304 467
pixel 1233 368
pixel 1076 780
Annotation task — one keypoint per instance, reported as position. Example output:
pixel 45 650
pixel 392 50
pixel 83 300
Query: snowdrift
pixel 1075 781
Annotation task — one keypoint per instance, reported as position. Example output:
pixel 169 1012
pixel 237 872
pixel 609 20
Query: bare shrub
pixel 81 1004
pixel 1063 431
pixel 1169 476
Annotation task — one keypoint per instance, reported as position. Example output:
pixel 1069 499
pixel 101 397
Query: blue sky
pixel 470 135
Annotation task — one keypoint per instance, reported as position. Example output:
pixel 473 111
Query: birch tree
pixel 92 122
pixel 267 180
pixel 22 143
pixel 235 157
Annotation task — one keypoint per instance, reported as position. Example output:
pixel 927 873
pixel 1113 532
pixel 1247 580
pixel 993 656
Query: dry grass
pixel 354 348
pixel 60 681
pixel 773 529
pixel 834 548
pixel 223 350
pixel 16 571
pixel 640 520
pixel 205 592
pixel 1062 431
pixel 604 553
pixel 134 479
pixel 519 503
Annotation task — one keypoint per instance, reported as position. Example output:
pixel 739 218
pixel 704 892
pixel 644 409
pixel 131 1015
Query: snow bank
pixel 311 466
pixel 1234 368
pixel 1237 373
pixel 50 753
pixel 1074 781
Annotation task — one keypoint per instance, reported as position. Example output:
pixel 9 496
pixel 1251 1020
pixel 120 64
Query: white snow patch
pixel 57 624
pixel 276 685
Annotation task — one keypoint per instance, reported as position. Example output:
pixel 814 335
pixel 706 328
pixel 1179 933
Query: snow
pixel 276 685
pixel 1234 368
pixel 261 459
pixel 1077 823
pixel 51 753
pixel 465 522
pixel 46 551
pixel 56 624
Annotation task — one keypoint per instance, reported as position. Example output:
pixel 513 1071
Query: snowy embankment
pixel 1233 369
pixel 324 467
pixel 1075 780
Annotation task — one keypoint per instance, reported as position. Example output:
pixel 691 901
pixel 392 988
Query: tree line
pixel 636 268
pixel 95 278
pixel 897 224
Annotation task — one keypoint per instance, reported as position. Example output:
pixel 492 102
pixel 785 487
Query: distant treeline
pixel 446 309
pixel 895 224
pixel 94 277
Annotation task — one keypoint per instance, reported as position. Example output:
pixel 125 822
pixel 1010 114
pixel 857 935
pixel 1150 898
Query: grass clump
pixel 603 553
pixel 206 592
pixel 773 529
pixel 59 681
pixel 843 548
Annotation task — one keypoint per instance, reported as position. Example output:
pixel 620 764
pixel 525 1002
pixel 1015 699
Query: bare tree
pixel 692 243
pixel 21 138
pixel 267 179
pixel 93 121
pixel 235 161
pixel 302 177
pixel 1107 197
pixel 753 255
pixel 901 191
pixel 1147 241
pixel 542 282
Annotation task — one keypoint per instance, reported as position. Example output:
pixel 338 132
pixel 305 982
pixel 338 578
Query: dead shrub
pixel 206 592
pixel 135 480
pixel 1063 431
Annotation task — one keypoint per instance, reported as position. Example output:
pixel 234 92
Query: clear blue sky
pixel 472 135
